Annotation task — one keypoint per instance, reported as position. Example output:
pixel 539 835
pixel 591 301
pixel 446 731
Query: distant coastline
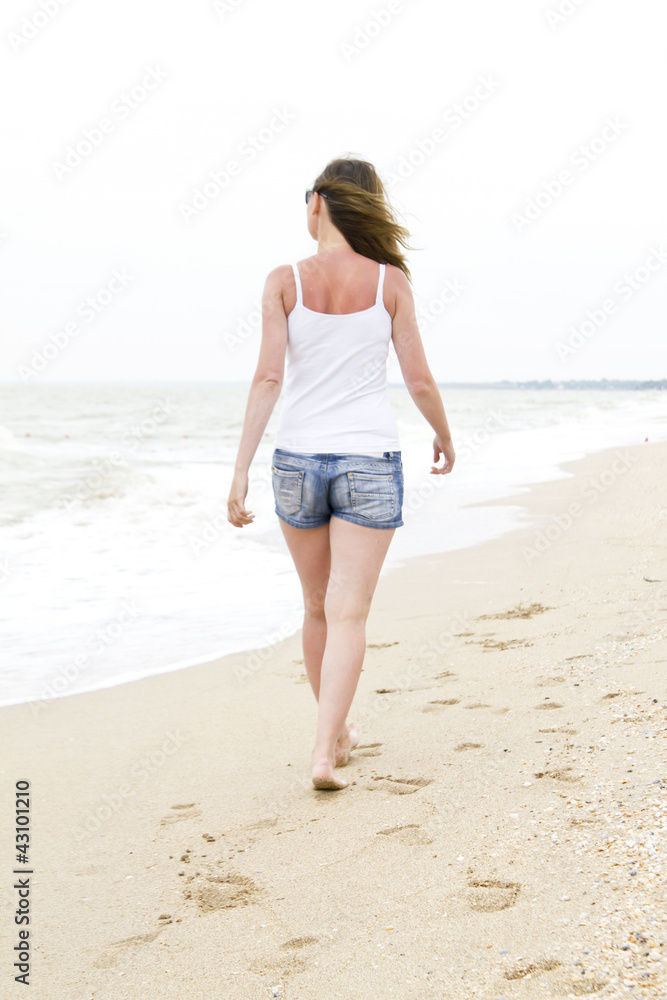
pixel 604 383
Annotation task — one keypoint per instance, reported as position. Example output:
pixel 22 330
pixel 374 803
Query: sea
pixel 117 560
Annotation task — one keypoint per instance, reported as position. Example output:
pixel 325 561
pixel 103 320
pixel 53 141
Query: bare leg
pixel 357 554
pixel 310 550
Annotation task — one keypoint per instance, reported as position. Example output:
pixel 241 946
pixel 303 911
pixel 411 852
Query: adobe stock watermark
pixel 465 446
pixel 562 12
pixel 369 30
pixel 247 326
pixel 431 653
pixel 257 659
pixel 426 313
pixel 121 108
pixel 33 24
pixel 104 636
pixel 141 771
pixel 581 159
pixel 224 7
pixel 248 149
pixel 624 290
pixel 429 312
pixel 213 529
pixel 88 309
pixel 372 371
pixel 87 486
pixel 452 119
pixel 216 527
pixel 251 323
pixel 593 489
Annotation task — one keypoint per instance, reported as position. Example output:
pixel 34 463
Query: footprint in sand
pixel 559 729
pixel 583 821
pixel 222 892
pixel 410 834
pixel 469 746
pixel 562 774
pixel 188 811
pixel 435 706
pixel 491 894
pixel 547 704
pixel 518 612
pixel 532 968
pixel 380 645
pixel 386 690
pixel 301 942
pixel 444 675
pixel 399 786
pixel 549 681
pixel 367 750
pixel 584 987
pixel 502 643
pixel 477 704
pixel 278 966
pixel 262 824
pixel 113 957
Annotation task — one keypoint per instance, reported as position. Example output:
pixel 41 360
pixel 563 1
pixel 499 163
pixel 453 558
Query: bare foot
pixel 343 746
pixel 324 777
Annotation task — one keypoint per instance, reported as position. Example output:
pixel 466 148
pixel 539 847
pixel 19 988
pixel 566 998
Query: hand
pixel 236 512
pixel 446 449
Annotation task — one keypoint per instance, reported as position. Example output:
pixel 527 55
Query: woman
pixel 336 469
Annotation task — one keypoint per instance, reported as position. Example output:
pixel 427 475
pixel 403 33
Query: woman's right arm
pixel 415 370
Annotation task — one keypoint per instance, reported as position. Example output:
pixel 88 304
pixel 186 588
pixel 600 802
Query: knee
pixel 314 601
pixel 349 612
pixel 314 610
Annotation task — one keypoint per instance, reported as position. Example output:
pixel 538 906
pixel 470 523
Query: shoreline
pixel 172 590
pixel 512 711
pixel 520 491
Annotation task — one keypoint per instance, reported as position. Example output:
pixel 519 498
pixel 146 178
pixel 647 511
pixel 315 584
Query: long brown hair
pixel 359 207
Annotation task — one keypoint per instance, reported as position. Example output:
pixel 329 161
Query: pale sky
pixel 486 107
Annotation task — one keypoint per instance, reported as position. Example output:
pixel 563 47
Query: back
pixel 335 398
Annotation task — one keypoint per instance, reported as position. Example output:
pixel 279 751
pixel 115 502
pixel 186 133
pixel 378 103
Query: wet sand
pixel 504 830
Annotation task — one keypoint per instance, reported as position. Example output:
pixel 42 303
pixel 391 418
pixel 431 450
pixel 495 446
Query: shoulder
pixel 278 282
pixel 279 275
pixel 396 288
pixel 396 278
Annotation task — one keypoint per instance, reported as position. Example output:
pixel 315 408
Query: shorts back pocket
pixel 373 495
pixel 287 489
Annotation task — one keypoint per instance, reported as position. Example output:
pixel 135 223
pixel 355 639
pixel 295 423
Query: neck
pixel 329 238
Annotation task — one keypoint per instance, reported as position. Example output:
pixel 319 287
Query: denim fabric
pixel 309 489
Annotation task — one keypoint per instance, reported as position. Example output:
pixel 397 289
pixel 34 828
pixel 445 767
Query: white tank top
pixel 335 398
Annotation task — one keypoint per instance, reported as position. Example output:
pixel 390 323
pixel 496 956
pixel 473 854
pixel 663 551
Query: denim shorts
pixel 310 489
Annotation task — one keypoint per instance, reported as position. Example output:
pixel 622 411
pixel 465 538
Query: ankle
pixel 320 756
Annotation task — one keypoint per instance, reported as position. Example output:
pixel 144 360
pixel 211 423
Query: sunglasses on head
pixel 310 191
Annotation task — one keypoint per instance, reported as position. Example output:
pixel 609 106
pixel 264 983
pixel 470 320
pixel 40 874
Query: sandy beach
pixel 504 830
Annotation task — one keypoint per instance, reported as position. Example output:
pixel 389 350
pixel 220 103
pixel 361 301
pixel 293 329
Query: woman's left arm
pixel 264 392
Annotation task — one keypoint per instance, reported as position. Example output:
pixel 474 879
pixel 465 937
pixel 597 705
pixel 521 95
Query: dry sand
pixel 505 828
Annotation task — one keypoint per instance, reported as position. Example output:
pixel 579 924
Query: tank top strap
pixel 378 297
pixel 297 279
